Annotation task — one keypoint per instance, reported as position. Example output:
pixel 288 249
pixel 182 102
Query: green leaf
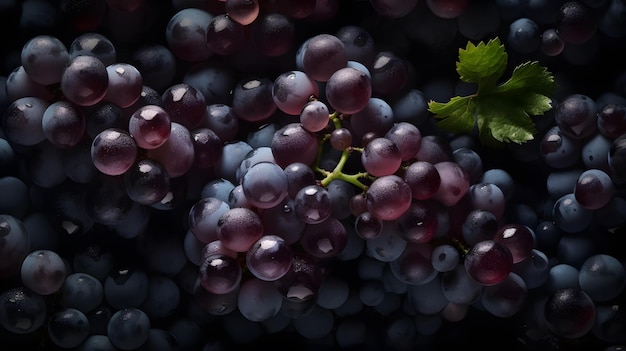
pixel 483 64
pixel 502 112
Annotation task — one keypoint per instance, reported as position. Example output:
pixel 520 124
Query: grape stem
pixel 338 173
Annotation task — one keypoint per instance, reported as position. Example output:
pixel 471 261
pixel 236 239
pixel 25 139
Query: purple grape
pixel 292 91
pixel 225 35
pixel 185 105
pixel 518 238
pixel 219 273
pixel 324 240
pixel 242 11
pixel 312 204
pixel 239 228
pixel 44 58
pixel 63 124
pixel 269 258
pixel 292 143
pixel 176 154
pixel 388 197
pixel 22 121
pixel 348 90
pixel 381 157
pixel 150 126
pixel 147 182
pixel 488 262
pixel 113 151
pixel 85 80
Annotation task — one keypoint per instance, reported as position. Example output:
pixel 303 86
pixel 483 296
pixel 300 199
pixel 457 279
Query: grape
pixel 125 286
pixel 269 258
pixel 147 182
pixel 375 118
pixel 243 12
pixel 176 154
pixel 44 58
pixel 524 35
pixel 43 271
pixel 68 328
pixel 225 35
pixel 518 238
pixel 414 265
pixel 610 119
pixel 358 44
pixel 18 85
pixel 551 42
pixel 81 291
pixel 203 218
pixel 390 74
pixel 445 257
pixel 22 311
pixel 273 33
pixel 576 22
pixel 113 151
pixel 388 197
pixel 292 143
pixel 292 90
pixel 220 273
pixel 367 226
pixel 312 204
pixel 186 34
pixel 94 44
pixel 594 189
pixel 488 262
pixel 253 99
pixel 258 300
pixel 63 124
pixel 418 224
pixel 298 175
pixel 265 185
pixel 576 116
pixel 348 90
pixel 559 150
pixel 459 287
pixel 324 240
pixel 85 80
pixel 314 116
pixel 150 126
pixel 185 105
pixel 238 228
pixel 506 298
pixel 125 84
pixel 340 139
pixel 381 157
pixel 569 215
pixel 454 183
pixel 570 313
pixel 321 56
pixel 282 220
pixel 22 121
pixel 128 328
pixel 302 281
pixel 488 197
pixel 602 277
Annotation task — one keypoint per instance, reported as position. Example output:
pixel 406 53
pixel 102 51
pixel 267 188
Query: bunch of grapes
pixel 218 174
